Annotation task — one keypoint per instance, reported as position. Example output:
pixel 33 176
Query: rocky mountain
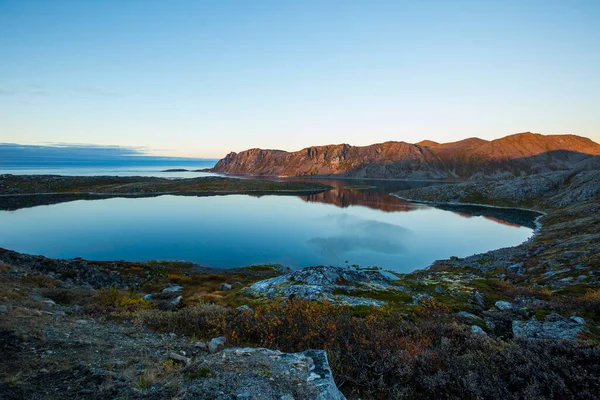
pixel 514 155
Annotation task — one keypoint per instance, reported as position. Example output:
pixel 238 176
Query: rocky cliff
pixel 514 155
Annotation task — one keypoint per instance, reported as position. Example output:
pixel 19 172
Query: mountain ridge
pixel 471 158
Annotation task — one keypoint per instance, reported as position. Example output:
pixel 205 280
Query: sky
pixel 202 78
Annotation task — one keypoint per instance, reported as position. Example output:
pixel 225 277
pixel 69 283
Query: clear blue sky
pixel 201 78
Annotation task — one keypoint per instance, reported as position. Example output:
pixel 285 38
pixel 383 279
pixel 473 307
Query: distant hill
pixel 514 155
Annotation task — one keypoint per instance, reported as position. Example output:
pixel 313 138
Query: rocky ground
pixel 521 322
pixel 58 339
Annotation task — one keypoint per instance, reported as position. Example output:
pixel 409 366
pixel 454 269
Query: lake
pixel 356 223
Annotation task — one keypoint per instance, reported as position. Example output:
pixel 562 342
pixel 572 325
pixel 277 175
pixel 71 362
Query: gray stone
pixel 478 299
pixel 264 374
pixel 201 345
pixel 319 283
pixel 468 315
pixel 179 357
pixel 172 289
pixel 419 297
pixel 147 297
pixel 245 308
pixel 553 327
pixel 225 287
pixel 579 320
pixel 216 344
pixel 476 330
pixel 170 305
pixel 504 305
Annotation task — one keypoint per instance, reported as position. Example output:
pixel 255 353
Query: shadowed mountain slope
pixel 513 155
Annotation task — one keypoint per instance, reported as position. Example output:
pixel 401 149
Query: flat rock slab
pixel 257 373
pixel 319 283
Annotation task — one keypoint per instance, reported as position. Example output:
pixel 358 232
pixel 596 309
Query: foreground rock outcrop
pixel 326 283
pixel 256 373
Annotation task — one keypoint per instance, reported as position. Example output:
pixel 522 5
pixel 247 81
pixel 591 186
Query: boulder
pixel 504 305
pixel 469 315
pixel 419 297
pixel 172 289
pixel 476 330
pixel 225 287
pixel 216 344
pixel 201 345
pixel 179 357
pixel 170 304
pixel 553 327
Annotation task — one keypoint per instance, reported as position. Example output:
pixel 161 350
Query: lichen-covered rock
pixel 325 283
pixel 553 327
pixel 264 374
pixel 476 330
pixel 419 297
pixel 225 287
pixel 172 289
pixel 216 344
pixel 504 305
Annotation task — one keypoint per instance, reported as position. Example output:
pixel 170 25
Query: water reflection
pixel 360 235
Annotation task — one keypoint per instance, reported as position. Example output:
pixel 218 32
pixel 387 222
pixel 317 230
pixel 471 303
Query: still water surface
pixel 344 226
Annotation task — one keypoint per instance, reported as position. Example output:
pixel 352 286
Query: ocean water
pixel 149 167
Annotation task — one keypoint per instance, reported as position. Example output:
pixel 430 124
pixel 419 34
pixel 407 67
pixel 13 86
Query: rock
pixel 216 344
pixel 478 299
pixel 264 374
pixel 201 345
pixel 76 309
pixel 419 297
pixel 147 297
pixel 172 289
pixel 504 305
pixel 553 327
pixel 515 267
pixel 468 315
pixel 225 287
pixel 179 357
pixel 319 283
pixel 579 320
pixel 170 304
pixel 245 308
pixel 476 330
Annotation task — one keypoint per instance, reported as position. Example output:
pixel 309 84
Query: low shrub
pixel 204 320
